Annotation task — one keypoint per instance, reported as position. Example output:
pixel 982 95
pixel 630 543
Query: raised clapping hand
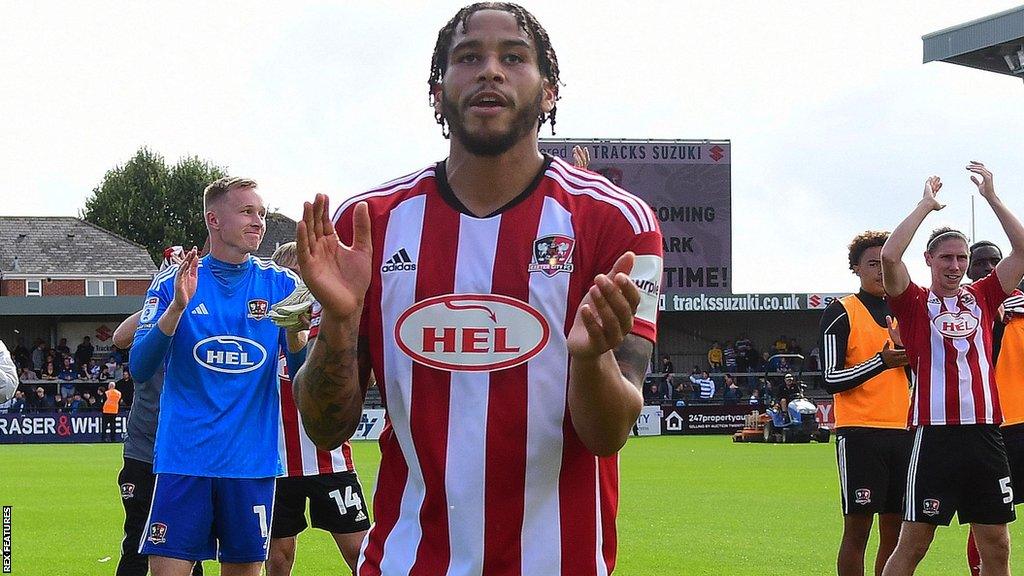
pixel 891 357
pixel 186 279
pixel 605 315
pixel 931 192
pixel 581 156
pixel 337 275
pixel 985 186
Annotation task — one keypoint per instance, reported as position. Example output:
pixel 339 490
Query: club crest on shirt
pixel 930 506
pixel 127 491
pixel 862 496
pixel 956 325
pixel 552 254
pixel 158 533
pixel 258 309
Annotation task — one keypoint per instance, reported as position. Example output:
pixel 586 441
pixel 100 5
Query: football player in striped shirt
pixel 509 348
pixel 326 478
pixel 958 462
pixel 862 369
pixel 1007 335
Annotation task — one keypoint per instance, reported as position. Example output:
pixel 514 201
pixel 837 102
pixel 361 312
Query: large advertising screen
pixel 688 183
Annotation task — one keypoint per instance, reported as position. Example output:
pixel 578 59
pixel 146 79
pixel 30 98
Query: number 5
pixel 1007 489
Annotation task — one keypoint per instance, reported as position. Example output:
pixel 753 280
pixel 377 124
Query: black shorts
pixel 872 469
pixel 959 470
pixel 1013 438
pixel 336 504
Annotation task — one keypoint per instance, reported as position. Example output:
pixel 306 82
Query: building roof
pixel 280 230
pixel 990 43
pixel 64 245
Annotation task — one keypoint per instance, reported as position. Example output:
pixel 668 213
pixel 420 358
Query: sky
pixel 834 121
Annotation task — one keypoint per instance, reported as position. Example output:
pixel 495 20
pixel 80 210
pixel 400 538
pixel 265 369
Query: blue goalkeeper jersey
pixel 220 405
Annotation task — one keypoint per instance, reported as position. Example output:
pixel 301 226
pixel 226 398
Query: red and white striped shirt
pixel 299 455
pixel 949 344
pixel 481 469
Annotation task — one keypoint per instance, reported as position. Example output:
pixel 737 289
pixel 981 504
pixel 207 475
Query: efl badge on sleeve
pixel 258 309
pixel 149 310
pixel 127 491
pixel 931 506
pixel 862 496
pixel 552 254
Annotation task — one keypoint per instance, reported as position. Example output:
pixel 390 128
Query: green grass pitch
pixel 689 506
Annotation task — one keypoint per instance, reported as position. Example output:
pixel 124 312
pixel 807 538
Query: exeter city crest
pixel 552 254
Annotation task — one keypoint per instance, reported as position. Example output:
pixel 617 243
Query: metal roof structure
pixel 994 43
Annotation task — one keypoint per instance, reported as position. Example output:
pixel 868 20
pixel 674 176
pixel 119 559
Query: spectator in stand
pixel 781 345
pixel 39 356
pixel 59 405
pixel 715 357
pixel 666 365
pixel 27 374
pixel 732 392
pixel 8 374
pixel 764 390
pixel 62 347
pixel 652 394
pixel 814 359
pixel 22 355
pixel 115 357
pixel 729 357
pixel 50 372
pixel 91 405
pixel 127 387
pixel 17 403
pixel 84 352
pixel 101 396
pixel 755 398
pixel 794 348
pixel 110 408
pixel 681 389
pixel 77 404
pixel 704 386
pixel 105 374
pixel 788 390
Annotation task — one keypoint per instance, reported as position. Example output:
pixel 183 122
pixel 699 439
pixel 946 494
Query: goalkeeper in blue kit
pixel 216 454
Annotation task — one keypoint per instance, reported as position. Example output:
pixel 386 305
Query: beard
pixel 524 120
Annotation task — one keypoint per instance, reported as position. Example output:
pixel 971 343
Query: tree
pixel 153 204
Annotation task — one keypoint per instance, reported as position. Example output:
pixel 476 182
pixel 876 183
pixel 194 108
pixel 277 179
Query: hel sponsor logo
pixel 258 309
pixel 149 310
pixel 958 325
pixel 127 491
pixel 229 354
pixel 862 496
pixel 930 506
pixel 399 262
pixel 552 254
pixel 471 332
pixel 157 533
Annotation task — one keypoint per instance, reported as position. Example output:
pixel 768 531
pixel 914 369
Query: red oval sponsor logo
pixel 471 332
pixel 956 324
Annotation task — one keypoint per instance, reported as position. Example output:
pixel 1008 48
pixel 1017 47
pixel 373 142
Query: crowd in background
pixel 55 379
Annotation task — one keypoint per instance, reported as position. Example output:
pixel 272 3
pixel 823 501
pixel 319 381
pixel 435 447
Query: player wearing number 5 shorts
pixel 326 478
pixel 207 320
pixel 958 463
pixel 864 371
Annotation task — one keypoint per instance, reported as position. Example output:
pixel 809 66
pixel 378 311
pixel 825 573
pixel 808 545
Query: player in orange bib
pixel 863 370
pixel 110 408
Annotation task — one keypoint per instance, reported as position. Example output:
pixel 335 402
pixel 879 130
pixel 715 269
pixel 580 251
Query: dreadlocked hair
pixel 547 61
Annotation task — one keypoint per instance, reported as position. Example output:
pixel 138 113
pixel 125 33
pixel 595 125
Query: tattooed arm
pixel 608 364
pixel 328 390
pixel 327 387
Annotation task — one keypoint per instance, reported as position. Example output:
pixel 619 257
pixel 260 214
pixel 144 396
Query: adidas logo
pixel 361 516
pixel 399 261
pixel 201 310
